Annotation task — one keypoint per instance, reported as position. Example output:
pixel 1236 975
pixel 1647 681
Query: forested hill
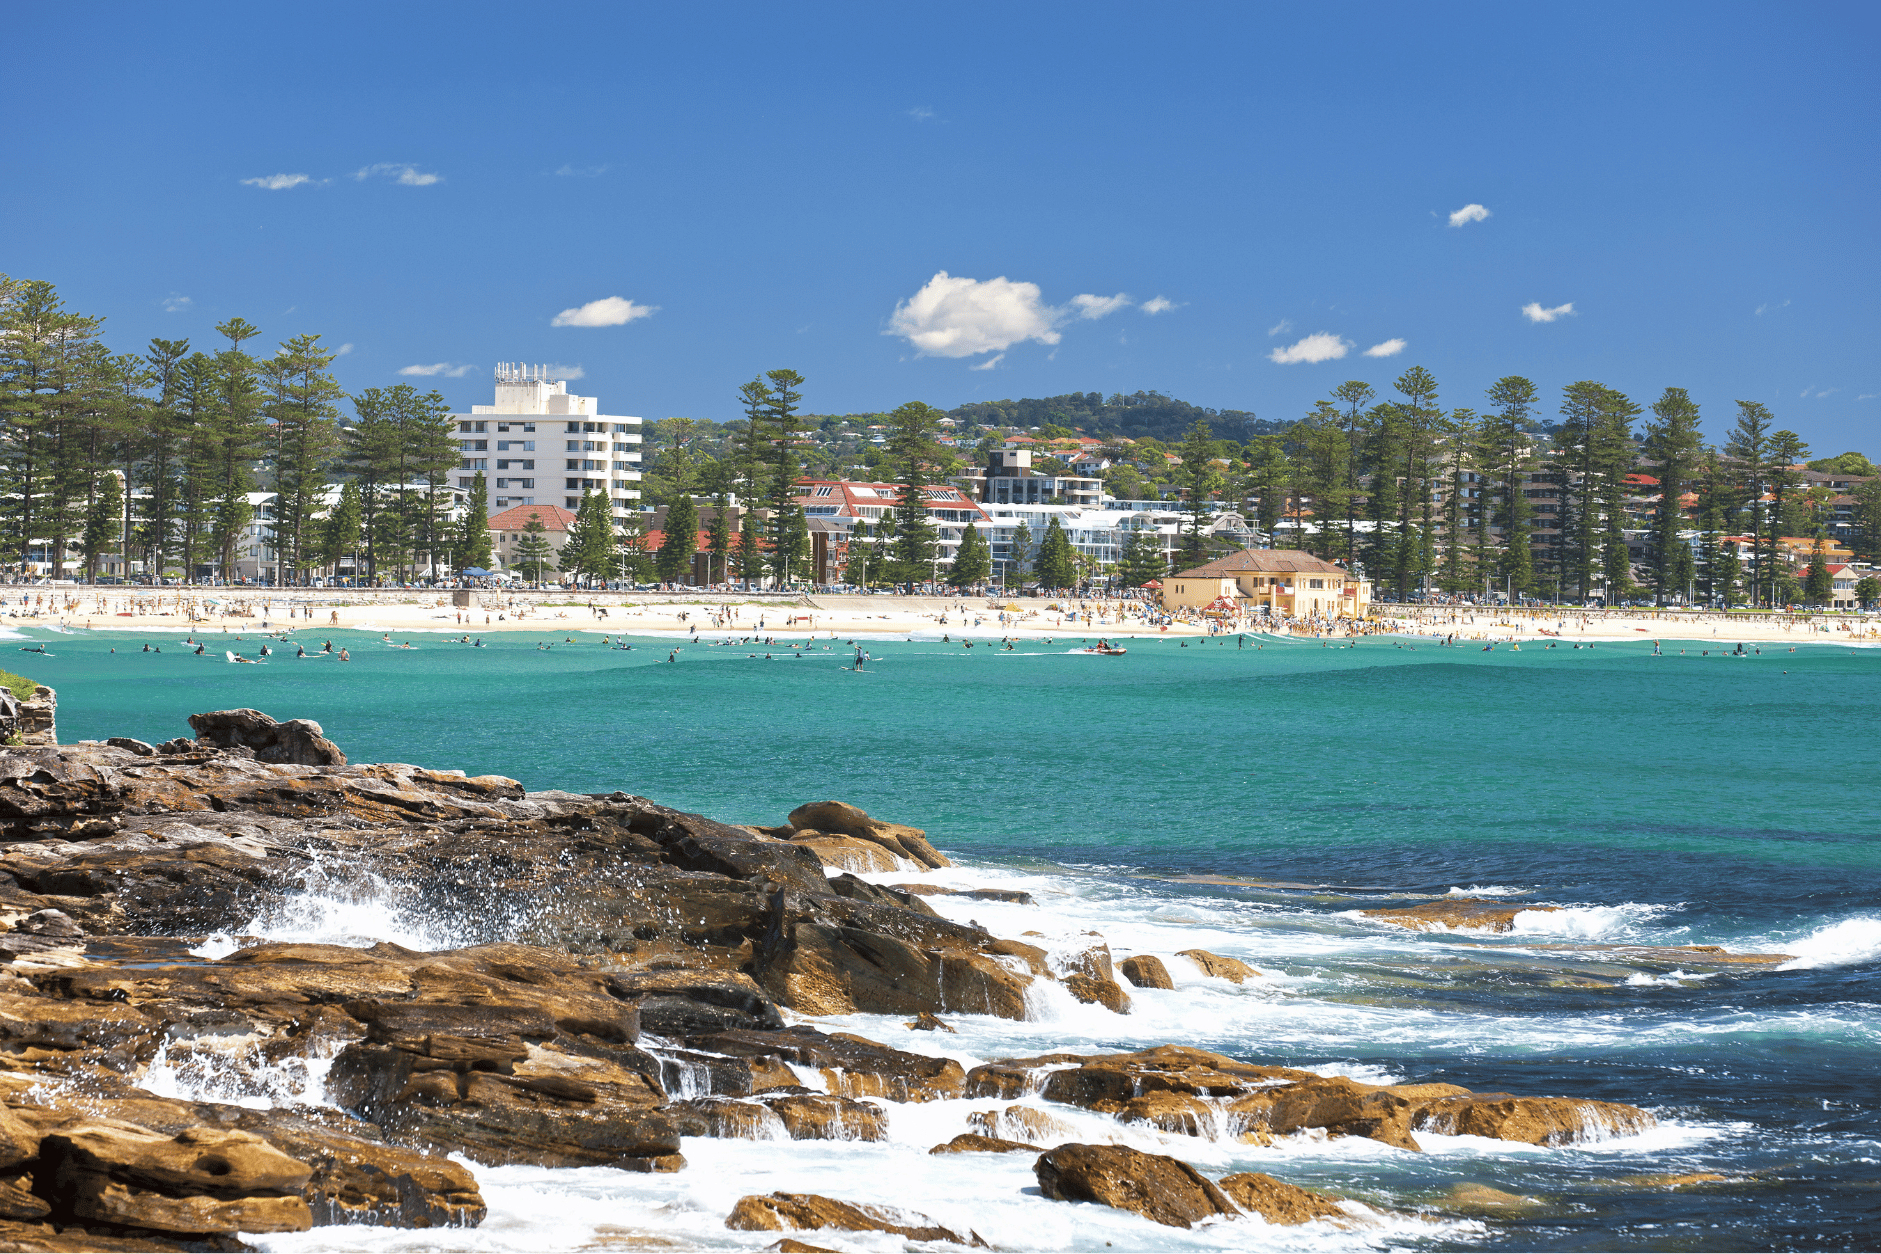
pixel 1137 415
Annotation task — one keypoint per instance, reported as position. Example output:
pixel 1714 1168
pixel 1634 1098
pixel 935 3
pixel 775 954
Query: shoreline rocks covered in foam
pixel 617 978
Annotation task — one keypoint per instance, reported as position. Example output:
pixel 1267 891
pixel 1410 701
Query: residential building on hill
pixel 540 445
pixel 508 528
pixel 1275 581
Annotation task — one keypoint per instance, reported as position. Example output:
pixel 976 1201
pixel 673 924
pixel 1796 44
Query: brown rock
pixel 1106 993
pixel 839 819
pixel 1342 1106
pixel 1105 1082
pixel 1480 1199
pixel 19 1202
pixel 1146 971
pixel 19 1140
pixel 1155 1186
pixel 974 1143
pixel 785 1211
pixel 1012 895
pixel 723 1117
pixel 203 1180
pixel 1222 968
pixel 1175 1113
pixel 789 1246
pixel 849 853
pixel 299 741
pixel 1020 1123
pixel 1278 1202
pixel 1471 913
pixel 852 1066
pixel 1535 1120
pixel 824 1117
pixel 925 1022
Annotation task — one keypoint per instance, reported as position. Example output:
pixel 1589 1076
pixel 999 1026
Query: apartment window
pixel 594 426
pixel 620 485
pixel 623 465
pixel 465 483
pixel 574 463
pixel 621 428
pixel 471 428
pixel 474 463
pixel 475 446
pixel 526 446
pixel 571 485
pixel 574 428
pixel 571 502
pixel 518 426
pixel 574 446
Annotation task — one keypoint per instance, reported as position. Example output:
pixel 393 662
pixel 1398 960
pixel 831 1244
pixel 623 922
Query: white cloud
pixel 444 368
pixel 342 350
pixel 1281 327
pixel 1766 305
pixel 1812 391
pixel 176 304
pixel 1390 348
pixel 1159 304
pixel 961 317
pixel 920 113
pixel 1868 396
pixel 582 171
pixel 1320 346
pixel 1535 313
pixel 609 311
pixel 278 182
pixel 990 362
pixel 1468 214
pixel 406 174
pixel 1094 307
pixel 555 370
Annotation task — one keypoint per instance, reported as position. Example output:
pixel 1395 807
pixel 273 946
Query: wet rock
pixel 18 1202
pixel 1481 1199
pixel 925 1022
pixel 788 1246
pixel 692 1002
pixel 138 747
pixel 1342 1107
pixel 826 1117
pixel 1175 1113
pixel 1106 993
pixel 203 1180
pixel 1279 1202
pixel 1535 1120
pixel 848 853
pixel 19 1140
pixel 1220 967
pixel 851 1066
pixel 1155 1186
pixel 1467 913
pixel 1011 895
pixel 300 741
pixel 724 1117
pixel 1146 971
pixel 1022 1124
pixel 974 1143
pixel 788 1211
pixel 839 819
pixel 882 895
pixel 1106 1082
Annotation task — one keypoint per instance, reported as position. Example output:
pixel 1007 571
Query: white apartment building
pixel 1099 534
pixel 541 445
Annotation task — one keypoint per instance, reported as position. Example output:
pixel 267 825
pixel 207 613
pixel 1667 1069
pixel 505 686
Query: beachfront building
pixel 1275 581
pixel 540 445
pixel 833 507
pixel 1097 535
pixel 1009 478
pixel 508 528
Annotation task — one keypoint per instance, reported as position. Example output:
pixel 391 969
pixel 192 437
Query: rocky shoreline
pixel 638 975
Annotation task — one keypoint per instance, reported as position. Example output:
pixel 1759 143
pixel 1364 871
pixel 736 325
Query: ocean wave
pixel 1585 922
pixel 1488 890
pixel 1840 944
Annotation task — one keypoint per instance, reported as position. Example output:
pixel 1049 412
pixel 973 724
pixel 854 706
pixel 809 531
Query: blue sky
pixel 1678 194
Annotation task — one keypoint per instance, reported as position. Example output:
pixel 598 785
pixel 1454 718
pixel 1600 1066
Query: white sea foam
pixel 1672 979
pixel 1840 944
pixel 1585 922
pixel 1487 890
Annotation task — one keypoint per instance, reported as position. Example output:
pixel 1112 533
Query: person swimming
pixel 345 656
pixel 300 650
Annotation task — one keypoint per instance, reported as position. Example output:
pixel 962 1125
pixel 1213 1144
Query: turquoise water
pixel 1665 800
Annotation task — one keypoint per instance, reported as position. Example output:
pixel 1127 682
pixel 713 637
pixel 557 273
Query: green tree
pixel 301 400
pixel 1867 591
pixel 1057 562
pixel 1019 553
pixel 533 551
pixel 474 549
pixel 340 533
pixel 1748 447
pixel 1867 519
pixel 1818 583
pixel 589 550
pixel 101 521
pixel 630 560
pixel 1507 453
pixel 674 561
pixel 1672 442
pixel 751 563
pixel 1355 398
pixel 973 560
pixel 1201 480
pixel 1268 475
pixel 1141 558
pixel 789 534
pixel 911 429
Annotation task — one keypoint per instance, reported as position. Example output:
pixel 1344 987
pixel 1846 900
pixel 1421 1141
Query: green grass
pixel 19 685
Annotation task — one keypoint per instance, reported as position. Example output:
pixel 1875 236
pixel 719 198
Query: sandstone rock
pixel 1469 913
pixel 789 1246
pixel 298 741
pixel 839 819
pixel 724 1117
pixel 138 747
pixel 203 1180
pixel 825 1117
pixel 849 853
pixel 1020 1123
pixel 691 1002
pixel 1343 1107
pixel 1277 1201
pixel 1481 1199
pixel 925 1022
pixel 786 1211
pixel 974 1143
pixel 1222 968
pixel 19 1202
pixel 1106 993
pixel 1011 895
pixel 1146 971
pixel 1154 1186
pixel 1174 1113
pixel 852 1066
pixel 1536 1120
pixel 1105 1082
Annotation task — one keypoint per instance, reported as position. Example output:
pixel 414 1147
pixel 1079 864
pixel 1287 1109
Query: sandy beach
pixel 398 612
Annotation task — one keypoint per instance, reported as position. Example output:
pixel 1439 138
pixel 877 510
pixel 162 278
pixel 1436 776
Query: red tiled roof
pixel 1642 480
pixel 553 517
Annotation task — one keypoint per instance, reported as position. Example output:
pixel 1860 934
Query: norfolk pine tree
pixel 674 559
pixel 1671 441
pixel 973 560
pixel 911 444
pixel 1200 481
pixel 1057 563
pixel 533 551
pixel 473 533
pixel 1507 452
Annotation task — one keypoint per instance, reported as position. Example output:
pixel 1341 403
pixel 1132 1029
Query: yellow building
pixel 1286 581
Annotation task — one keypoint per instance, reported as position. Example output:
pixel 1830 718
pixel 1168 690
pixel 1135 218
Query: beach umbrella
pixel 475 572
pixel 1154 583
